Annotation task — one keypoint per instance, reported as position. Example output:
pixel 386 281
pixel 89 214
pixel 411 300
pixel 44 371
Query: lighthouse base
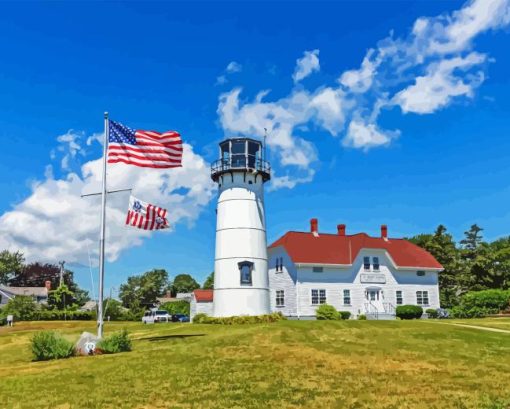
pixel 229 302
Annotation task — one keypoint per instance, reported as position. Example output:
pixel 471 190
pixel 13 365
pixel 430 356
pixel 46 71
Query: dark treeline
pixel 469 265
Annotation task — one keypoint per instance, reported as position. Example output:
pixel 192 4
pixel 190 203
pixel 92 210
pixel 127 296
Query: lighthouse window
pixel 245 269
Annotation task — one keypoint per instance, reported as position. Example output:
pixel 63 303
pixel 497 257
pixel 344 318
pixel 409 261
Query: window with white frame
pixel 347 297
pixel 375 261
pixel 318 269
pixel 318 296
pixel 366 263
pixel 422 297
pixel 400 299
pixel 280 298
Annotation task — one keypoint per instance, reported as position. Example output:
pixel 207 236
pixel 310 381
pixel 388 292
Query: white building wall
pixel 200 308
pixel 284 280
pixel 335 279
pixel 240 236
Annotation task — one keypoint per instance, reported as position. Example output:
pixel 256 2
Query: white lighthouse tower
pixel 241 284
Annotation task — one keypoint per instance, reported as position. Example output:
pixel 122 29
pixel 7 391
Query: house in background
pixel 355 273
pixel 201 302
pixel 39 294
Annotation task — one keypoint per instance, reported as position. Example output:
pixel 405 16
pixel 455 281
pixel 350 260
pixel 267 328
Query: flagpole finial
pixel 106 114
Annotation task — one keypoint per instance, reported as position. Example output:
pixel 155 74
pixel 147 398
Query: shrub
pixel 57 315
pixel 327 312
pixel 345 315
pixel 176 307
pixel 22 307
pixel 492 301
pixel 50 345
pixel 409 312
pixel 432 313
pixel 362 317
pixel 117 342
pixel 242 319
pixel 462 312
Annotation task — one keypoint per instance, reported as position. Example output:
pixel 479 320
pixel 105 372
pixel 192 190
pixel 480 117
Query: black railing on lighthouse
pixel 239 163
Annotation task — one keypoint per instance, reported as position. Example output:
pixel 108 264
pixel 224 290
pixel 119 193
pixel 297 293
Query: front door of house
pixel 374 297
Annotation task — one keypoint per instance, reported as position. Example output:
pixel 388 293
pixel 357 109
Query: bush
pixel 59 315
pixel 117 342
pixel 362 317
pixel 345 315
pixel 243 319
pixel 462 312
pixel 327 312
pixel 492 301
pixel 176 307
pixel 432 313
pixel 50 345
pixel 22 307
pixel 409 312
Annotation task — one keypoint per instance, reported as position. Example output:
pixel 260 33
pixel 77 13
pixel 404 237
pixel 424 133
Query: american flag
pixel 145 215
pixel 147 149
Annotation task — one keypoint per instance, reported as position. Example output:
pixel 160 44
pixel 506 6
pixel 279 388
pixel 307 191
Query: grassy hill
pixel 290 364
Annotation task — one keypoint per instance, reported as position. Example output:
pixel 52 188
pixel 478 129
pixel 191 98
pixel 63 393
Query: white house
pixel 355 273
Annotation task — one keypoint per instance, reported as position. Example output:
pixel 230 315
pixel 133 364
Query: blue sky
pixel 378 112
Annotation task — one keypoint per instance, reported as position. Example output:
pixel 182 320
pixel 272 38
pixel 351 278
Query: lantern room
pixel 241 154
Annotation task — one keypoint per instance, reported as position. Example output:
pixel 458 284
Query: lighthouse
pixel 241 284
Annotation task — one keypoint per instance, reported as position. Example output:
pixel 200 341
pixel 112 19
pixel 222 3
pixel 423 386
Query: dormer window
pixel 375 261
pixel 366 263
pixel 245 269
pixel 279 264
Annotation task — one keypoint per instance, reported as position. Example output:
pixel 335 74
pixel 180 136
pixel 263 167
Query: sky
pixel 376 113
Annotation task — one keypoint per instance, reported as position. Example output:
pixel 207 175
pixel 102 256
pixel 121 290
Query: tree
pixel 113 309
pixel 184 283
pixel 144 289
pixel 62 298
pixel 452 281
pixel 11 264
pixel 472 241
pixel 22 307
pixel 209 282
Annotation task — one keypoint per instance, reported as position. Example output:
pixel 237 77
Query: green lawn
pixel 290 364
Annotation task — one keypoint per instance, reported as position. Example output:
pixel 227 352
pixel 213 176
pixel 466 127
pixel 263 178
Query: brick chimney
pixel 341 229
pixel 314 227
pixel 47 284
pixel 384 231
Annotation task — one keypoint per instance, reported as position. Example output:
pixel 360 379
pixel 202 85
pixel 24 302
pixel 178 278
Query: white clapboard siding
pixel 297 282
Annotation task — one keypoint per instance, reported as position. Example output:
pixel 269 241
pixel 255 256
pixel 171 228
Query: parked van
pixel 154 316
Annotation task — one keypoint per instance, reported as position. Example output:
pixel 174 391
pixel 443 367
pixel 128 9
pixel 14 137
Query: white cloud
pixel 422 72
pixel 55 223
pixel 306 65
pixel 360 80
pixel 367 135
pixel 233 67
pixel 440 85
pixel 70 145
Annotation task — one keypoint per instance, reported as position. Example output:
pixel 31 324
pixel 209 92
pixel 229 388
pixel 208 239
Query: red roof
pixel 335 249
pixel 203 295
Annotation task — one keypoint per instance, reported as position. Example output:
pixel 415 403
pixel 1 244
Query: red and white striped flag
pixel 146 149
pixel 145 215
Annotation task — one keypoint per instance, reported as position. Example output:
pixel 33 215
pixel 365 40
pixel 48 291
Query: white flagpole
pixel 102 234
